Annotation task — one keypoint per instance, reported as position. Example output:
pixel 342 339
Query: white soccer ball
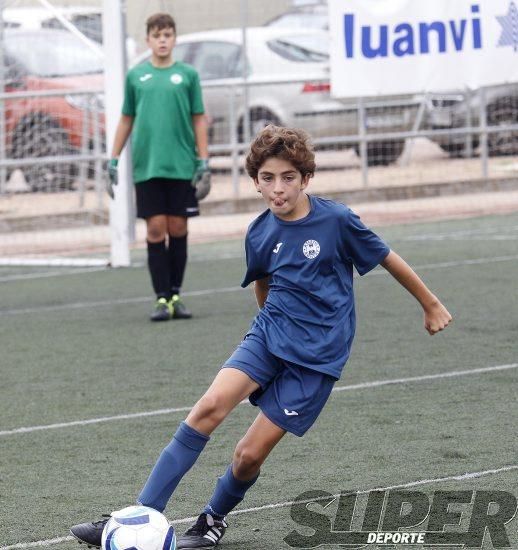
pixel 138 528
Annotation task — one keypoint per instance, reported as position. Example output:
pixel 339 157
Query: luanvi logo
pixel 407 39
pixel 461 519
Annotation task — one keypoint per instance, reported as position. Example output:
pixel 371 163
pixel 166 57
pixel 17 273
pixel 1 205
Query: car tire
pixel 259 118
pixel 456 150
pixel 382 153
pixel 503 114
pixel 40 136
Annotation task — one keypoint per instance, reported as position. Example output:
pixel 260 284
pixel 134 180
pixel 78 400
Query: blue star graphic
pixel 509 25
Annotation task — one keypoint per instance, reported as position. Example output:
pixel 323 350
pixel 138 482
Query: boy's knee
pixel 155 234
pixel 247 461
pixel 177 226
pixel 208 409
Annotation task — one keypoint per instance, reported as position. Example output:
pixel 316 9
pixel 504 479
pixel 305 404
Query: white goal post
pixel 121 207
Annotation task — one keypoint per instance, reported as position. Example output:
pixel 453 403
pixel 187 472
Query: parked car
pixel 86 19
pixel 46 60
pixel 299 61
pixel 461 110
pixel 311 16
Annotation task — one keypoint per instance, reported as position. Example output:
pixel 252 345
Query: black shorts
pixel 160 196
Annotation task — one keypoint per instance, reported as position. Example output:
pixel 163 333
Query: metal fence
pixel 53 142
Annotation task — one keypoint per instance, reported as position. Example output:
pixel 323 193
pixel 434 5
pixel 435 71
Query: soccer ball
pixel 138 528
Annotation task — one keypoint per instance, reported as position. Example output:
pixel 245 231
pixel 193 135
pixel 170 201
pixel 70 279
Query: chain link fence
pixel 53 141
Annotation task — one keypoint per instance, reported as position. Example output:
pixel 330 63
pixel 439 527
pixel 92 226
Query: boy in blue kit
pixel 300 253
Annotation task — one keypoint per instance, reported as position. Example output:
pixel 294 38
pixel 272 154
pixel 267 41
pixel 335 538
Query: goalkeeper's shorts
pixel 169 197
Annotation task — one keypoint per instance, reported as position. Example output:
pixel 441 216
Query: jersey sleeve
pixel 129 107
pixel 362 246
pixel 196 98
pixel 253 268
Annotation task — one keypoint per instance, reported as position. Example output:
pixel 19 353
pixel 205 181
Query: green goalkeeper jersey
pixel 162 102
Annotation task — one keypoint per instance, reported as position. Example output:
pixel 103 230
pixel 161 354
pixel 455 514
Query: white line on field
pixel 48 274
pixel 474 261
pixel 351 387
pixel 419 483
pixel 62 272
pixel 36 544
pixel 140 299
pixel 121 301
pixel 458 234
pixel 458 477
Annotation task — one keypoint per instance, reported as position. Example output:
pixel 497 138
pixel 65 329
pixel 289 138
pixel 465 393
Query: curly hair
pixel 291 144
pixel 160 21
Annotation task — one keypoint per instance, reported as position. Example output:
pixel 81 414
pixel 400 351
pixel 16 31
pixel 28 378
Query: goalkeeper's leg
pixel 177 254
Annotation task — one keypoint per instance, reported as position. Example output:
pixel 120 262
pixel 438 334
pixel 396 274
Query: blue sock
pixel 174 462
pixel 229 492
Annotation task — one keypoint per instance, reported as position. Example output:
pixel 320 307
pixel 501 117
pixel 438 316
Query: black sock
pixel 158 264
pixel 177 261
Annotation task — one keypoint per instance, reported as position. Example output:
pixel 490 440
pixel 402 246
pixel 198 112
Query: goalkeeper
pixel 163 111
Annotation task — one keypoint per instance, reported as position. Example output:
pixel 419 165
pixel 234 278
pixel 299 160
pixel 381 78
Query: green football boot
pixel 179 309
pixel 163 310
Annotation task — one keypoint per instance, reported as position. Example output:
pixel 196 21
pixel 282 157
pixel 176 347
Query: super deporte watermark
pixel 460 519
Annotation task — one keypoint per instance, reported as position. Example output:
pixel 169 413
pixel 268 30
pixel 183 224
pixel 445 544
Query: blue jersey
pixel 309 317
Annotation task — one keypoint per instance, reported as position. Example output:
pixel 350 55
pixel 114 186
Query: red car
pixel 47 60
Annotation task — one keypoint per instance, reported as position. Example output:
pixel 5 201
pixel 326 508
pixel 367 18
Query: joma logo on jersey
pixel 404 38
pixel 311 249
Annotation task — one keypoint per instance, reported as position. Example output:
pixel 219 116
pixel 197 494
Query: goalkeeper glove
pixel 201 179
pixel 113 176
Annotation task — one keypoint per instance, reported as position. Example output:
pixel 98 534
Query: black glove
pixel 201 179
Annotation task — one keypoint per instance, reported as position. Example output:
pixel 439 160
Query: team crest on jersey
pixel 176 78
pixel 311 249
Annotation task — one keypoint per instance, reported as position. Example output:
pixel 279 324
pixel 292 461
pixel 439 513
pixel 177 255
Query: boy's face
pixel 282 187
pixel 161 42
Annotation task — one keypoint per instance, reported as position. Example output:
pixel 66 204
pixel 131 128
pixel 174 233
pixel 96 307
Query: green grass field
pixel 76 346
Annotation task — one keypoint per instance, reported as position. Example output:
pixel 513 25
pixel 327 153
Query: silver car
pixel 287 78
pixel 463 110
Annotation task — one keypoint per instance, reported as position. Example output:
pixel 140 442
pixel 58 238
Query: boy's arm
pixel 261 288
pixel 122 134
pixel 436 316
pixel 201 135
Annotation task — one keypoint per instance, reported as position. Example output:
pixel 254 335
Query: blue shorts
pixel 290 396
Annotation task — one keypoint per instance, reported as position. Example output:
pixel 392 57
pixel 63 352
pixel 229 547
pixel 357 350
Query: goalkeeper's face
pixel 282 187
pixel 161 42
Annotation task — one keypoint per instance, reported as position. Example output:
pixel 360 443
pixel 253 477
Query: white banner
pixel 386 47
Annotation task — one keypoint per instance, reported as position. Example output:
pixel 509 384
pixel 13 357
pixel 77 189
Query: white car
pixel 312 16
pixel 287 73
pixel 86 19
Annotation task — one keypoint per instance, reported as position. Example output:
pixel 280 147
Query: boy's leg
pixel 158 264
pixel 250 453
pixel 228 389
pixel 230 490
pixel 177 253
